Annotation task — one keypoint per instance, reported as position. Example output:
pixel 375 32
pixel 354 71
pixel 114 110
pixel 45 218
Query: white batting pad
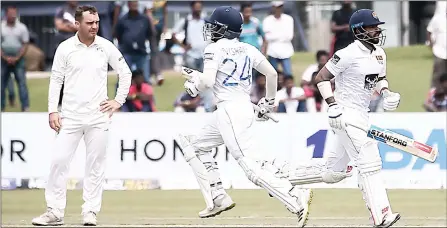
pixel 375 196
pixel 211 166
pixel 199 170
pixel 315 172
pixel 279 188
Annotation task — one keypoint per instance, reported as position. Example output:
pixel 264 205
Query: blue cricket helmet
pixel 224 22
pixel 367 18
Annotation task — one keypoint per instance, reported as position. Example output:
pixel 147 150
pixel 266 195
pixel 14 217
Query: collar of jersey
pixel 363 47
pixel 78 42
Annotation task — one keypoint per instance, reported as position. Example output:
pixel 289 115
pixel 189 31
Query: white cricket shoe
pixel 389 220
pixel 89 219
pixel 305 200
pixel 221 203
pixel 48 218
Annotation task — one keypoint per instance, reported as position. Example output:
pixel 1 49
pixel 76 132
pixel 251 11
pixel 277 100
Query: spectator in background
pixel 437 97
pixel 307 78
pixel 279 29
pixel 132 31
pixel 436 37
pixel 288 98
pixel 34 56
pixel 186 103
pixel 340 27
pixel 280 80
pixel 252 29
pixel 158 14
pixel 11 87
pixel 14 43
pixel 258 90
pixel 122 8
pixel 140 98
pixel 64 22
pixel 194 45
pixel 11 93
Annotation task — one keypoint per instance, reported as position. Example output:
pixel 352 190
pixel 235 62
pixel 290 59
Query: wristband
pixel 325 89
pixel 380 85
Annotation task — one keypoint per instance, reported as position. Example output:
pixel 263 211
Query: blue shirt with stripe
pixel 251 32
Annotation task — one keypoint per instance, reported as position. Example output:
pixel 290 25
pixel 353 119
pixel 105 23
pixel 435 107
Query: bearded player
pixel 359 71
pixel 227 69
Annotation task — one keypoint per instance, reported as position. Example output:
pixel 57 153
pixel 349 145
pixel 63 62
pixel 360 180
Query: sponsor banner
pixel 143 146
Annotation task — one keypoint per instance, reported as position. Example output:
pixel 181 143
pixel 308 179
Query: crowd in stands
pixel 137 30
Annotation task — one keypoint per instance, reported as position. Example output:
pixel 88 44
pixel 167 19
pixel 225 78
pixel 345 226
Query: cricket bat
pixel 404 143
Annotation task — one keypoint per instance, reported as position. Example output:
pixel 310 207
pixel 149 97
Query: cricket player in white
pixel 359 70
pixel 81 64
pixel 228 67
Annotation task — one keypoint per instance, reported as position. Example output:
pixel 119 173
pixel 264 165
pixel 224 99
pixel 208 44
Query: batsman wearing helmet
pixel 228 65
pixel 359 70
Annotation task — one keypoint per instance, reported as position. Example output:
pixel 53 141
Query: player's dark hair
pixel 321 53
pixel 245 5
pixel 194 2
pixel 137 73
pixel 288 77
pixel 81 9
pixel 12 7
pixel 443 78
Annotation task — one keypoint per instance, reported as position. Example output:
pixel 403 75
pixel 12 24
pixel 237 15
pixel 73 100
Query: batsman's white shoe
pixel 389 220
pixel 89 219
pixel 48 218
pixel 306 200
pixel 221 203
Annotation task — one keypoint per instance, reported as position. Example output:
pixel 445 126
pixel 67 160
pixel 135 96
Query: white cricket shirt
pixel 234 61
pixel 279 35
pixel 83 71
pixel 356 70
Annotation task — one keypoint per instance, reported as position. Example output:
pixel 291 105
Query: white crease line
pixel 284 217
pixel 215 226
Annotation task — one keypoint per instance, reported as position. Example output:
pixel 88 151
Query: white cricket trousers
pixel 353 144
pixel 231 124
pixel 95 130
pixel 348 143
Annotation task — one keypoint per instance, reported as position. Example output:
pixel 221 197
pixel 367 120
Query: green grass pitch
pixel 330 207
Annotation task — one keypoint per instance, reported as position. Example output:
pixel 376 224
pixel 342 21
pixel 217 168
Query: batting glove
pixel 191 88
pixel 335 114
pixel 265 106
pixel 391 100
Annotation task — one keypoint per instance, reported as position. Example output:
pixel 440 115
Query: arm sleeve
pixel 269 35
pixel 211 61
pixel 179 26
pixel 263 66
pixel 338 63
pixel 287 35
pixel 25 35
pixel 116 60
pixel 56 79
pixel 383 73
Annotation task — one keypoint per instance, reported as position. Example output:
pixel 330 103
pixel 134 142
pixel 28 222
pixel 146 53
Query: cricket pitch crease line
pixel 215 226
pixel 283 217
